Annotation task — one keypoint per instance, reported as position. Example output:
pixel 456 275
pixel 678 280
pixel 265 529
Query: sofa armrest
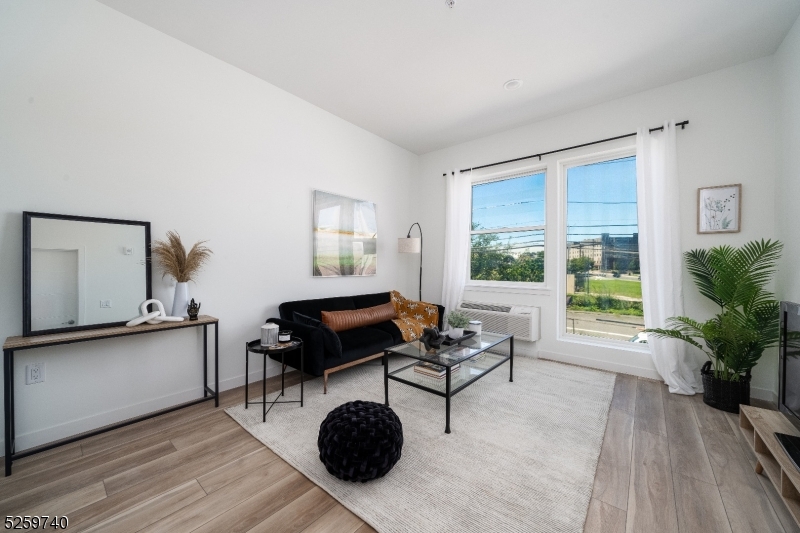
pixel 313 347
pixel 441 316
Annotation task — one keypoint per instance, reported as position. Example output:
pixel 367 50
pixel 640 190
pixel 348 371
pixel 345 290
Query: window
pixel 507 236
pixel 604 288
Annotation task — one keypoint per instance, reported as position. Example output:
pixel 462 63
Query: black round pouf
pixel 360 441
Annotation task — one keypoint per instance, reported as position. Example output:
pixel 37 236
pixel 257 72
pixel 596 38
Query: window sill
pixel 599 342
pixel 508 288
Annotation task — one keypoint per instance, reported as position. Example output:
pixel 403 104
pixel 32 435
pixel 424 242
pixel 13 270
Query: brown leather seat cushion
pixel 357 318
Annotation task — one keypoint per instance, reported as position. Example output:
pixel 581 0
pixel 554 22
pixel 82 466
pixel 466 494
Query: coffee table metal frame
pixel 435 356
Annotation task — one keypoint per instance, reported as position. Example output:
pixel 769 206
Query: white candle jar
pixel 269 334
pixel 475 325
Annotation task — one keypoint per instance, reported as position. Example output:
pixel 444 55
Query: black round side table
pixel 255 347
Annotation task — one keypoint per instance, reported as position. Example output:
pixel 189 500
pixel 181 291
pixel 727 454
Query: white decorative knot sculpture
pixel 156 317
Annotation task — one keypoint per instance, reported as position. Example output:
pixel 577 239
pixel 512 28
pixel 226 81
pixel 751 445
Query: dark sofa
pixel 358 345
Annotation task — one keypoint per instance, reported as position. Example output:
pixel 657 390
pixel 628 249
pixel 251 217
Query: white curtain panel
pixel 660 253
pixel 458 204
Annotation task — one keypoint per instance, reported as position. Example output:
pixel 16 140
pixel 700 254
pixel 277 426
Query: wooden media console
pixel 759 427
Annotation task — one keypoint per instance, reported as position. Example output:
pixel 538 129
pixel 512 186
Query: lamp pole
pixel 408 236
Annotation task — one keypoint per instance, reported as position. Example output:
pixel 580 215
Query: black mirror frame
pixel 27 216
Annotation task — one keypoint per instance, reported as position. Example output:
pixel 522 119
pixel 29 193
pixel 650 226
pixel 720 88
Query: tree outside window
pixel 507 241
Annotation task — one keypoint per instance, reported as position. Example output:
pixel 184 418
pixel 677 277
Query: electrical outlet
pixel 104 304
pixel 34 373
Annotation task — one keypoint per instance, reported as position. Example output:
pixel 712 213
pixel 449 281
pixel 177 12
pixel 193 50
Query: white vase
pixel 456 333
pixel 181 301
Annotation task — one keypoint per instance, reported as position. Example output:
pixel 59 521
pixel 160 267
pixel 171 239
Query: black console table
pixel 14 344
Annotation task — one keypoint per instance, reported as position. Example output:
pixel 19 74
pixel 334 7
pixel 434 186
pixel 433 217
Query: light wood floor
pixel 189 470
pixel 668 464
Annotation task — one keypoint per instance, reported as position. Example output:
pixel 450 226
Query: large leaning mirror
pixel 82 272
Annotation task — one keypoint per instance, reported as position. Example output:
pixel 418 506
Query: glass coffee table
pixel 450 369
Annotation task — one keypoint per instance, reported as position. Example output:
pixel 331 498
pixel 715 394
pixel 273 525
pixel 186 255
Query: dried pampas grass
pixel 172 257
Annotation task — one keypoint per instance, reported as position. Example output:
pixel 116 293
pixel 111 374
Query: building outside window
pixel 604 288
pixel 508 229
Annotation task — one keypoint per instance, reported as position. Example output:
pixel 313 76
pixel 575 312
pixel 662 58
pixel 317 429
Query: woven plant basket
pixel 722 394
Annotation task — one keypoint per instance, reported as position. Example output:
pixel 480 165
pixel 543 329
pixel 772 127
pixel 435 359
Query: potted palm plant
pixel 747 323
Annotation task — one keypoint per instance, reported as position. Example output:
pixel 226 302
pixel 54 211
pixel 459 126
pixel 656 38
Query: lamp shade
pixel 409 245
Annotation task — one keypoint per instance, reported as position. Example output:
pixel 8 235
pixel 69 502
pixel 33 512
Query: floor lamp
pixel 412 245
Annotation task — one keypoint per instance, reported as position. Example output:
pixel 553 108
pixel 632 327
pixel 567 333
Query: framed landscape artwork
pixel 345 236
pixel 719 209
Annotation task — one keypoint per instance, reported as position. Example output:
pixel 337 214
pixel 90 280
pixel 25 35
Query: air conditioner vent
pixel 486 307
pixel 522 321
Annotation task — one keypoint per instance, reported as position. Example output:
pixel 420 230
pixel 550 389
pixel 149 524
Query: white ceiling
pixel 425 76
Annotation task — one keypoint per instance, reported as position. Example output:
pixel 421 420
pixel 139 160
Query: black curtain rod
pixel 660 128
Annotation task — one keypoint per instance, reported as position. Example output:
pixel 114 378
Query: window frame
pixel 562 333
pixel 509 286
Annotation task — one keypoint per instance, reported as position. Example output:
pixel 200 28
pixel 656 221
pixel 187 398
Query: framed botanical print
pixel 719 209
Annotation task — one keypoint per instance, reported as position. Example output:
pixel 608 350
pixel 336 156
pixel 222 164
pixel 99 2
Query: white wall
pixel 731 139
pixel 103 116
pixel 787 60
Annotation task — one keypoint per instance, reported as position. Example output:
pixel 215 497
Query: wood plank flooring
pixel 668 464
pixel 189 470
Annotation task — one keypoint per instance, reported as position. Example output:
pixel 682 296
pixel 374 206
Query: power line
pixel 504 244
pixel 596 238
pixel 523 202
pixel 513 246
pixel 603 225
pixel 523 234
pixel 598 202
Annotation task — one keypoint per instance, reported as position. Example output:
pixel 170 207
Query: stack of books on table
pixel 433 370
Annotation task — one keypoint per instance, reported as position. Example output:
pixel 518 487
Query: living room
pixel 227 123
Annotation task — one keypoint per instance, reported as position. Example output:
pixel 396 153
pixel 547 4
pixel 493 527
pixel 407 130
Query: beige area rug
pixel 521 456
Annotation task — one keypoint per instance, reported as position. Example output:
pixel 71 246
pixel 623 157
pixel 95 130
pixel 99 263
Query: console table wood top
pixel 40 341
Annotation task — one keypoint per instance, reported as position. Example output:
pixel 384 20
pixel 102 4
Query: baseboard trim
pixel 755 392
pixel 81 425
pixel 601 365
pixel 764 394
pixel 74 427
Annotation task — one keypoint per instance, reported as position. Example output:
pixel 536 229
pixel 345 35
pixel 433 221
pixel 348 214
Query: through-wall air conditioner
pixel 522 321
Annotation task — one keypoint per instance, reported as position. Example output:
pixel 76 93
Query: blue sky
pixel 601 198
pixel 512 203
